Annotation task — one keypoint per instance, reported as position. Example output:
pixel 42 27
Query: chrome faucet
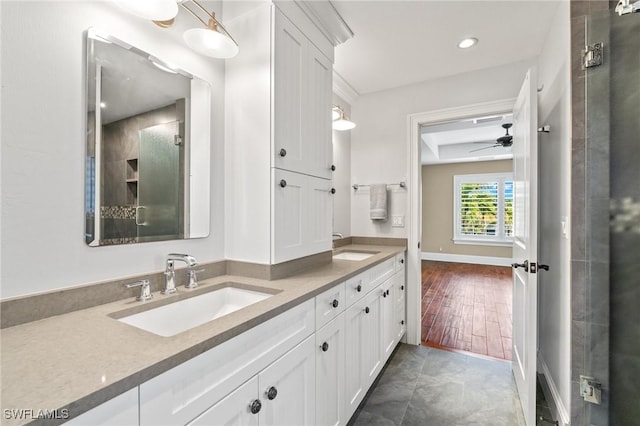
pixel 337 234
pixel 170 273
pixel 333 243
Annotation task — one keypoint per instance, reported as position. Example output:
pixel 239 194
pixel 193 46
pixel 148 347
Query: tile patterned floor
pixel 467 307
pixel 426 386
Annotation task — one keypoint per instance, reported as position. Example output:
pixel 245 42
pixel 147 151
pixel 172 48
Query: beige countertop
pixel 81 359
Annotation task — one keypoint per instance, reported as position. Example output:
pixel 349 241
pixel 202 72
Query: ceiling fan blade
pixel 486 147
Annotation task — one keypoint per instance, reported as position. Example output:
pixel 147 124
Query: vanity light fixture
pixel 468 42
pixel 211 40
pixel 159 10
pixel 340 120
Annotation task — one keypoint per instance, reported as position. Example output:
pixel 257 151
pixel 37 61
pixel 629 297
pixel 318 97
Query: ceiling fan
pixel 503 141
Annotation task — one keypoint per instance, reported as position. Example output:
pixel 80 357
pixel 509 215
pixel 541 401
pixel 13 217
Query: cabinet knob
pixel 332 190
pixel 272 392
pixel 335 303
pixel 283 152
pixel 384 294
pixel 358 288
pixel 366 310
pixel 255 406
pixel 401 287
pixel 402 322
pixel 387 292
pixel 283 183
pixel 325 347
pixel 401 260
pixel 333 167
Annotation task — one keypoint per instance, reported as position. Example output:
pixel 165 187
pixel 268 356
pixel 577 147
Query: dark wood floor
pixel 467 307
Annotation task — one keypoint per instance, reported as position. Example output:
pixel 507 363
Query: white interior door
pixel 525 244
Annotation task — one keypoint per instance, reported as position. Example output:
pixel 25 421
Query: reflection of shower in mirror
pixel 147 159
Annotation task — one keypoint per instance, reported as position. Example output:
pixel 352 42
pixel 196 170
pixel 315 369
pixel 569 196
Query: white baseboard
pixel 556 405
pixel 463 258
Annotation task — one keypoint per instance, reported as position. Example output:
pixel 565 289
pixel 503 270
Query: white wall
pixel 43 145
pixel 554 153
pixel 379 151
pixel 342 175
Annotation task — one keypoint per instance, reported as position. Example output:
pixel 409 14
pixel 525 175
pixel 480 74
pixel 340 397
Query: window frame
pixel 499 239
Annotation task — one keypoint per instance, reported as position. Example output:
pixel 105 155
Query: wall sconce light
pixel 212 40
pixel 340 120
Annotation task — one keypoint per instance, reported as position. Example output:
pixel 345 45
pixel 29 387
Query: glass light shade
pixel 210 43
pixel 335 114
pixel 343 124
pixel 467 43
pixel 153 10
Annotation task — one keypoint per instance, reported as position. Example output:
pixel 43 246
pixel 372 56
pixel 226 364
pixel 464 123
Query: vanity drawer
pixel 356 287
pixel 379 273
pixel 330 304
pixel 184 392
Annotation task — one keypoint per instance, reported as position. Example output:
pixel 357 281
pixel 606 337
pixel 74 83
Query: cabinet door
pixel 372 333
pixel 317 101
pixel 388 320
pixel 121 410
pixel 330 369
pixel 234 409
pixel 290 56
pixel 355 386
pixel 289 218
pixel 287 388
pixel 319 216
pixel 399 304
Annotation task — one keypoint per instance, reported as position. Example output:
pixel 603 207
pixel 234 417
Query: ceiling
pixel 399 42
pixel 473 139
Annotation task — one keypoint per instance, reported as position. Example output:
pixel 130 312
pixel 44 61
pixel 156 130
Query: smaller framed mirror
pixel 147 172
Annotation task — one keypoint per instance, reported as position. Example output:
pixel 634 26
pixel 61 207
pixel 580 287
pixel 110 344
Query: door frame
pixel 414 181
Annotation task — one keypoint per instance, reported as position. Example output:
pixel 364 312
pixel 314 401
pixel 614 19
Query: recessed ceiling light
pixel 468 42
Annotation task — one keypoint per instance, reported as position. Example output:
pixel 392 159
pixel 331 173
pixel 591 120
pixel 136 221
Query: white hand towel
pixel 378 201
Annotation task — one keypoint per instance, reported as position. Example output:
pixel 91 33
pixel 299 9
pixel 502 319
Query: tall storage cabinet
pixel 278 107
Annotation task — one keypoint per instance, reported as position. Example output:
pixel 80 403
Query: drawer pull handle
pixel 325 347
pixel 283 152
pixel 255 406
pixel 366 310
pixel 358 288
pixel 272 392
pixel 335 303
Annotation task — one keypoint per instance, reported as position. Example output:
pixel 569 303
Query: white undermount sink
pixel 174 318
pixel 353 255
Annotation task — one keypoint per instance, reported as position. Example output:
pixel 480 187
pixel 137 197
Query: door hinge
pixel 592 55
pixel 177 140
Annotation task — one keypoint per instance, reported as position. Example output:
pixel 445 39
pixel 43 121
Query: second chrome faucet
pixel 170 273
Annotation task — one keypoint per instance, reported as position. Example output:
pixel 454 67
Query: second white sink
pixel 174 318
pixel 353 255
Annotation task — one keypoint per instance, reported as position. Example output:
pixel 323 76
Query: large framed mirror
pixel 147 173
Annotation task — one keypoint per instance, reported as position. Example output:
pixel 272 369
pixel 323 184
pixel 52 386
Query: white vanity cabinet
pixel 282 394
pixel 302 79
pixel 278 99
pixel 330 373
pixel 183 393
pixel 121 410
pixel 301 206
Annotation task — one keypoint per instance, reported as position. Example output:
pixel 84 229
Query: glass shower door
pixel 159 213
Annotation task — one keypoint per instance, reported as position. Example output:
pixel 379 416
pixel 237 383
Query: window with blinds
pixel 483 208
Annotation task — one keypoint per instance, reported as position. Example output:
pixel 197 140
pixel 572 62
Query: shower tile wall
pixel 120 143
pixel 625 216
pixel 590 215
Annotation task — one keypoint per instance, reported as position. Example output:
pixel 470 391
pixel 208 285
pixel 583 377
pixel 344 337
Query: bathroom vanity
pixel 305 355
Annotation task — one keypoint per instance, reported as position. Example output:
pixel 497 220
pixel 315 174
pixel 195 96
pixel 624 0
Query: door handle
pixel 524 265
pixel 138 223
